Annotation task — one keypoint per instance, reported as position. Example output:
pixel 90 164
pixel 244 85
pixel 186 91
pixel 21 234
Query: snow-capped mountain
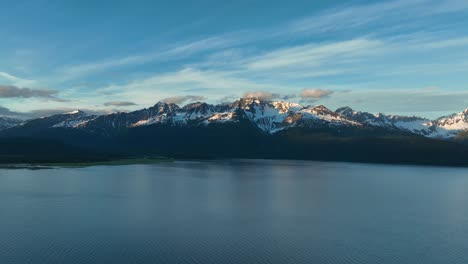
pixel 195 111
pixel 316 116
pixel 445 127
pixel 6 122
pixel 413 124
pixel 451 126
pixel 268 116
pixel 72 119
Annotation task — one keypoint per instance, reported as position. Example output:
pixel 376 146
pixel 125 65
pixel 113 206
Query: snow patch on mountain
pixel 325 114
pixel 317 116
pixel 75 122
pixel 269 116
pixel 6 122
pixel 221 118
pixel 413 124
pixel 450 126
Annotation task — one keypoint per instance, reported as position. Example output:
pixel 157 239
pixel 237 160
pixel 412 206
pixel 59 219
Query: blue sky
pixel 399 56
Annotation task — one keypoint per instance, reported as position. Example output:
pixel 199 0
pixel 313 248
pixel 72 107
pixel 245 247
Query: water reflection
pixel 235 212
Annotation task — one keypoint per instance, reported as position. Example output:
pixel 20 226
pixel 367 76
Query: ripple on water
pixel 235 212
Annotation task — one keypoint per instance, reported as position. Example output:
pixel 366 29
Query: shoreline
pixel 157 160
pixel 84 164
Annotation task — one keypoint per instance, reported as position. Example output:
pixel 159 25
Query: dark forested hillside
pixel 235 140
pixel 247 128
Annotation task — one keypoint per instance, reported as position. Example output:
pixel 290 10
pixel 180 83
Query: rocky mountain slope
pixel 268 116
pixel 6 122
pixel 247 128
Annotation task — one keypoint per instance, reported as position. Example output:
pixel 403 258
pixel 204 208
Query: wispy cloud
pixel 349 45
pixel 312 95
pixel 173 53
pixel 119 103
pixel 7 112
pixel 315 54
pixel 182 99
pixel 272 71
pixel 215 84
pixel 15 80
pixel 421 102
pixel 9 91
pixel 261 95
pixel 445 43
pixel 331 20
pixel 384 13
pixel 265 96
pixel 228 99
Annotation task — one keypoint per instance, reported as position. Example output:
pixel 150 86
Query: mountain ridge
pixel 7 122
pixel 269 116
pixel 247 128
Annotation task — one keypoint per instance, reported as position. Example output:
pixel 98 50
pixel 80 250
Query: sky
pixel 407 57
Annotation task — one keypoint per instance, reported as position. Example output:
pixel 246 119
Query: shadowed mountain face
pixel 269 116
pixel 462 137
pixel 251 128
pixel 6 122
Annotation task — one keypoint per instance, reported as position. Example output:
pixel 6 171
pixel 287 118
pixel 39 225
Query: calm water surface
pixel 235 212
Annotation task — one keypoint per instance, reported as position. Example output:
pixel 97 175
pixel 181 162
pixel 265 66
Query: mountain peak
pixel 160 103
pixel 269 116
pixel 195 105
pixel 318 109
pixel 321 108
pixel 75 112
pixel 166 107
pixel 250 101
pixel 344 110
pixel 285 107
pixel 198 108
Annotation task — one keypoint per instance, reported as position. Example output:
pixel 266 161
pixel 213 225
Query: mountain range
pixel 253 128
pixel 269 116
